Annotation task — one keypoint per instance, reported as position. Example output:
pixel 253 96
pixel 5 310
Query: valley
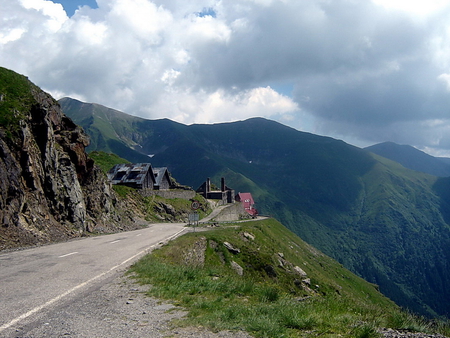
pixel 386 223
pixel 344 209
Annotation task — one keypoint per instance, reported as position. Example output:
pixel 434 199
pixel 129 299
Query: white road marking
pixel 115 241
pixel 69 254
pixel 138 235
pixel 68 292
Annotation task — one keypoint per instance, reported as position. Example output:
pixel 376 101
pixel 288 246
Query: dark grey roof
pixel 130 173
pixel 159 174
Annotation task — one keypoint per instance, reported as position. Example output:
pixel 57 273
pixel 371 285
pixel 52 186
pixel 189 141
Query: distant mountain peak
pixel 387 223
pixel 412 158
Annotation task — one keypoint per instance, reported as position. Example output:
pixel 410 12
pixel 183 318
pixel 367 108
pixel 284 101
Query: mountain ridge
pixel 412 158
pixel 381 220
pixel 57 192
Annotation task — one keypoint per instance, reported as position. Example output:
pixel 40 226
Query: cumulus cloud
pixel 222 106
pixel 365 71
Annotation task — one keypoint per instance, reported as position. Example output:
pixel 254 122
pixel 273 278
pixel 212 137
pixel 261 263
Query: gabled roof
pixel 130 173
pixel 245 196
pixel 159 175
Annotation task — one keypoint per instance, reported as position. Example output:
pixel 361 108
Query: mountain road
pixel 36 280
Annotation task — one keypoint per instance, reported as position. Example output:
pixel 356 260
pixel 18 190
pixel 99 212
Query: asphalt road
pixel 39 279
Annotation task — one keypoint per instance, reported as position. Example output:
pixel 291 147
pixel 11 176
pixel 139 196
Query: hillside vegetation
pixel 380 219
pixel 286 288
pixel 106 160
pixel 109 130
pixel 388 224
pixel 412 158
pixel 16 99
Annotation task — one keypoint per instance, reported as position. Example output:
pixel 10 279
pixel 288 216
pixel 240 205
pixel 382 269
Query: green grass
pixel 124 191
pixel 268 302
pixel 106 160
pixel 16 99
pixel 157 209
pixel 155 205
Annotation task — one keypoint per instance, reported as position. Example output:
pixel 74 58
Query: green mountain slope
pixel 285 288
pixel 384 222
pixel 412 158
pixel 109 130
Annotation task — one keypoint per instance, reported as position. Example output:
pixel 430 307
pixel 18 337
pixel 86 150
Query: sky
pixel 364 71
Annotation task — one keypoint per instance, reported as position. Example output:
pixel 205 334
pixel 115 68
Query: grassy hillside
pixel 15 99
pixel 384 222
pixel 106 160
pixel 393 232
pixel 269 298
pixel 109 130
pixel 412 158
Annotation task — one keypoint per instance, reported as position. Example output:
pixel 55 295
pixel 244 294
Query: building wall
pixel 185 194
pixel 165 184
pixel 148 182
pixel 233 212
pixel 230 196
pixel 221 196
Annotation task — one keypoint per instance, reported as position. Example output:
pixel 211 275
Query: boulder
pixel 231 248
pixel 236 267
pixel 299 270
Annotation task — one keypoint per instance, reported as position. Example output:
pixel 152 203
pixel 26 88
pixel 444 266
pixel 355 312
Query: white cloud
pixel 141 18
pixel 367 70
pixel 221 106
pixel 446 79
pixel 206 28
pixel 11 34
pixel 54 13
pixel 415 7
pixel 90 33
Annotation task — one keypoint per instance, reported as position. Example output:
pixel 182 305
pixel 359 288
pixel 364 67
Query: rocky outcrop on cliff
pixel 49 189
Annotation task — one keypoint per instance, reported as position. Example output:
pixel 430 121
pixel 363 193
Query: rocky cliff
pixel 49 189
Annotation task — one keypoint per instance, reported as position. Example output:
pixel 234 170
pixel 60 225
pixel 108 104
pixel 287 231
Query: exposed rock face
pixel 49 189
pixel 195 256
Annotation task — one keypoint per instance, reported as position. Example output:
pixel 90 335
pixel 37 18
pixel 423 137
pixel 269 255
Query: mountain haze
pixel 387 223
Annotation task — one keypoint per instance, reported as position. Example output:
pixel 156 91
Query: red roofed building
pixel 247 200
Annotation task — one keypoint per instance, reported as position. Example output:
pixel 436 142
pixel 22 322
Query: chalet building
pixel 140 176
pixel 135 175
pixel 249 204
pixel 224 195
pixel 162 178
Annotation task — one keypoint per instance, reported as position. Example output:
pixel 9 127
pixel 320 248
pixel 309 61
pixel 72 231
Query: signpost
pixel 194 217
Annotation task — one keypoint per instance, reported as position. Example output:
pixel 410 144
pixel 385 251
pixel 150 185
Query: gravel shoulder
pixel 117 309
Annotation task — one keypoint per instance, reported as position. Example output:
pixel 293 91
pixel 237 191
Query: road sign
pixel 195 205
pixel 193 217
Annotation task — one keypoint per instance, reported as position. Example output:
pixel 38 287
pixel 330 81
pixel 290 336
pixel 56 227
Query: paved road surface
pixel 38 279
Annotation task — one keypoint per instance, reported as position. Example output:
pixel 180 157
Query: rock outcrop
pixel 49 189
